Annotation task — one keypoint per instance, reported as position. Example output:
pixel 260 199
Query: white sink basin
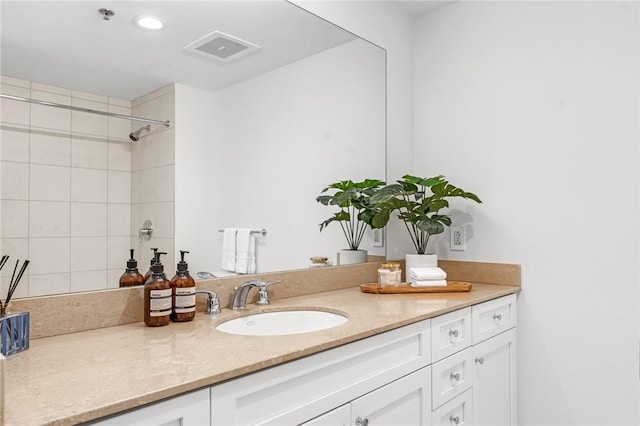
pixel 282 323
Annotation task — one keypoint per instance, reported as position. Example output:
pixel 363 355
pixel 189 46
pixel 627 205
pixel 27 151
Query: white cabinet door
pixel 494 389
pixel 191 409
pixel 403 402
pixel 338 417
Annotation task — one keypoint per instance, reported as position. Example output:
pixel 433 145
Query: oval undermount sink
pixel 282 323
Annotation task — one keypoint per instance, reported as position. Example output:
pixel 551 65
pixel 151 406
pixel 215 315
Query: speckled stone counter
pixel 82 376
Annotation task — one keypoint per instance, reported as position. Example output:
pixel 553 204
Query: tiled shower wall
pixel 152 177
pixel 67 181
pixel 66 189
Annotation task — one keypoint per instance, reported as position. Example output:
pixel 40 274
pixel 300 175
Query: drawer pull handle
pixel 479 360
pixel 362 422
pixel 454 377
pixel 454 419
pixel 453 333
pixel 497 317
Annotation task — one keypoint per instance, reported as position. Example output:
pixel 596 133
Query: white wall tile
pixel 15 181
pixel 23 285
pixel 49 219
pixel 15 248
pixel 46 284
pixel 15 112
pixel 165 179
pixel 88 185
pixel 88 254
pixel 88 153
pixel 88 281
pixel 48 255
pixel 14 82
pixel 87 123
pixel 163 222
pixel 118 252
pixel 88 219
pixel 14 145
pixel 49 183
pixel 77 94
pixel 50 148
pixel 162 148
pixel 46 117
pixel 113 277
pixel 119 156
pixel 118 220
pixel 119 187
pixel 119 128
pixel 15 219
pixel 48 89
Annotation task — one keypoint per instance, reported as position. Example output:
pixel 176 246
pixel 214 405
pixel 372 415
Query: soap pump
pixel 157 296
pixel 184 292
pixel 153 259
pixel 131 275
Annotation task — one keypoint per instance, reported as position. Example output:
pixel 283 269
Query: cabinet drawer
pixel 450 333
pixel 451 376
pixel 493 317
pixel 457 412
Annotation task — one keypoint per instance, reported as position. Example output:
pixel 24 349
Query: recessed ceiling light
pixel 148 22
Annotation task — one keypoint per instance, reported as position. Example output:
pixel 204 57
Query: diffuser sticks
pixel 15 280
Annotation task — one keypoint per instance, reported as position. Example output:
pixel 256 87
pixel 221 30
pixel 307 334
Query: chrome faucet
pixel 213 304
pixel 239 298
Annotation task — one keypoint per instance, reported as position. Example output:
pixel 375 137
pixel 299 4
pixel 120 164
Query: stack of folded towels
pixel 427 277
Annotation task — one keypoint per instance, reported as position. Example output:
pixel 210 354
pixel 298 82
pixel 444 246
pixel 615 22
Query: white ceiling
pixel 68 44
pixel 420 7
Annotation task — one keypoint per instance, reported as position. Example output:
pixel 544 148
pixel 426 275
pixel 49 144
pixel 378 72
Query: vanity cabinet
pixel 404 402
pixel 190 409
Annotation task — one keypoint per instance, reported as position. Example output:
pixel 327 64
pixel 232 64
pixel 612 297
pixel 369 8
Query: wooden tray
pixel 452 286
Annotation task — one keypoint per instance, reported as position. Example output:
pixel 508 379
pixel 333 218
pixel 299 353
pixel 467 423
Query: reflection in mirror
pixel 250 145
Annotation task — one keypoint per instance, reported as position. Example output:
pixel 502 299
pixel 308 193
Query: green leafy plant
pixel 418 201
pixel 356 210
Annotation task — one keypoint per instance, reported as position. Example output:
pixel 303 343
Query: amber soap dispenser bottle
pixel 184 292
pixel 157 296
pixel 131 275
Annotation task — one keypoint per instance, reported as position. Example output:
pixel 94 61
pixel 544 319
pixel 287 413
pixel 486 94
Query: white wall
pixel 271 144
pixel 534 106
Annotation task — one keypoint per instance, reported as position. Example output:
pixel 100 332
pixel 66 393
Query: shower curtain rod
pixel 90 111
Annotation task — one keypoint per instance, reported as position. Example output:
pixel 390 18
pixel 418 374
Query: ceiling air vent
pixel 221 46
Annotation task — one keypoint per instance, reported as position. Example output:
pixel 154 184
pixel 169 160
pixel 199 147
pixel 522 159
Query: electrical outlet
pixel 457 238
pixel 378 240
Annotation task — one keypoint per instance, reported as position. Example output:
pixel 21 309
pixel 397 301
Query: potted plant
pixel 355 213
pixel 419 202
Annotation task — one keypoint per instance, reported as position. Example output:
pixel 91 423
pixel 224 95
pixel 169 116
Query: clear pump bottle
pixel 157 296
pixel 131 276
pixel 183 288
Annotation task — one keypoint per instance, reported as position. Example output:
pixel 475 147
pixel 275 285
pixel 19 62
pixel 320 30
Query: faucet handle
pixel 263 294
pixel 213 303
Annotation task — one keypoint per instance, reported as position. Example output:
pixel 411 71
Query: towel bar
pixel 263 231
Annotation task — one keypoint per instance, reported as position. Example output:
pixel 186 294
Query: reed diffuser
pixel 14 327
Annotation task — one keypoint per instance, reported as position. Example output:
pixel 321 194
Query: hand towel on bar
pixel 245 252
pixel 428 283
pixel 229 249
pixel 433 273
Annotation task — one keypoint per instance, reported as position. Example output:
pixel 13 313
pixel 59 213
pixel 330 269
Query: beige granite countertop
pixel 78 377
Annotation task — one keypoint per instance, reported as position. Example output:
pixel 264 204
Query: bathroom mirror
pixel 253 141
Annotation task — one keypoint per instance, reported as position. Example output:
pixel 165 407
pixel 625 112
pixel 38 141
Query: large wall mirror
pixel 254 136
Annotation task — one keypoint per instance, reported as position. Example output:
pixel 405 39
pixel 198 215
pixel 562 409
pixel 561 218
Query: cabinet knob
pixel 453 333
pixel 454 377
pixel 497 317
pixel 479 360
pixel 362 422
pixel 454 419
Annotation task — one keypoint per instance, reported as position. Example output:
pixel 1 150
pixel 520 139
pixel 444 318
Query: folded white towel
pixel 433 273
pixel 229 249
pixel 245 252
pixel 428 283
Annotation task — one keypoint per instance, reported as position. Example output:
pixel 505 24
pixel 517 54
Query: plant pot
pixel 350 257
pixel 420 261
